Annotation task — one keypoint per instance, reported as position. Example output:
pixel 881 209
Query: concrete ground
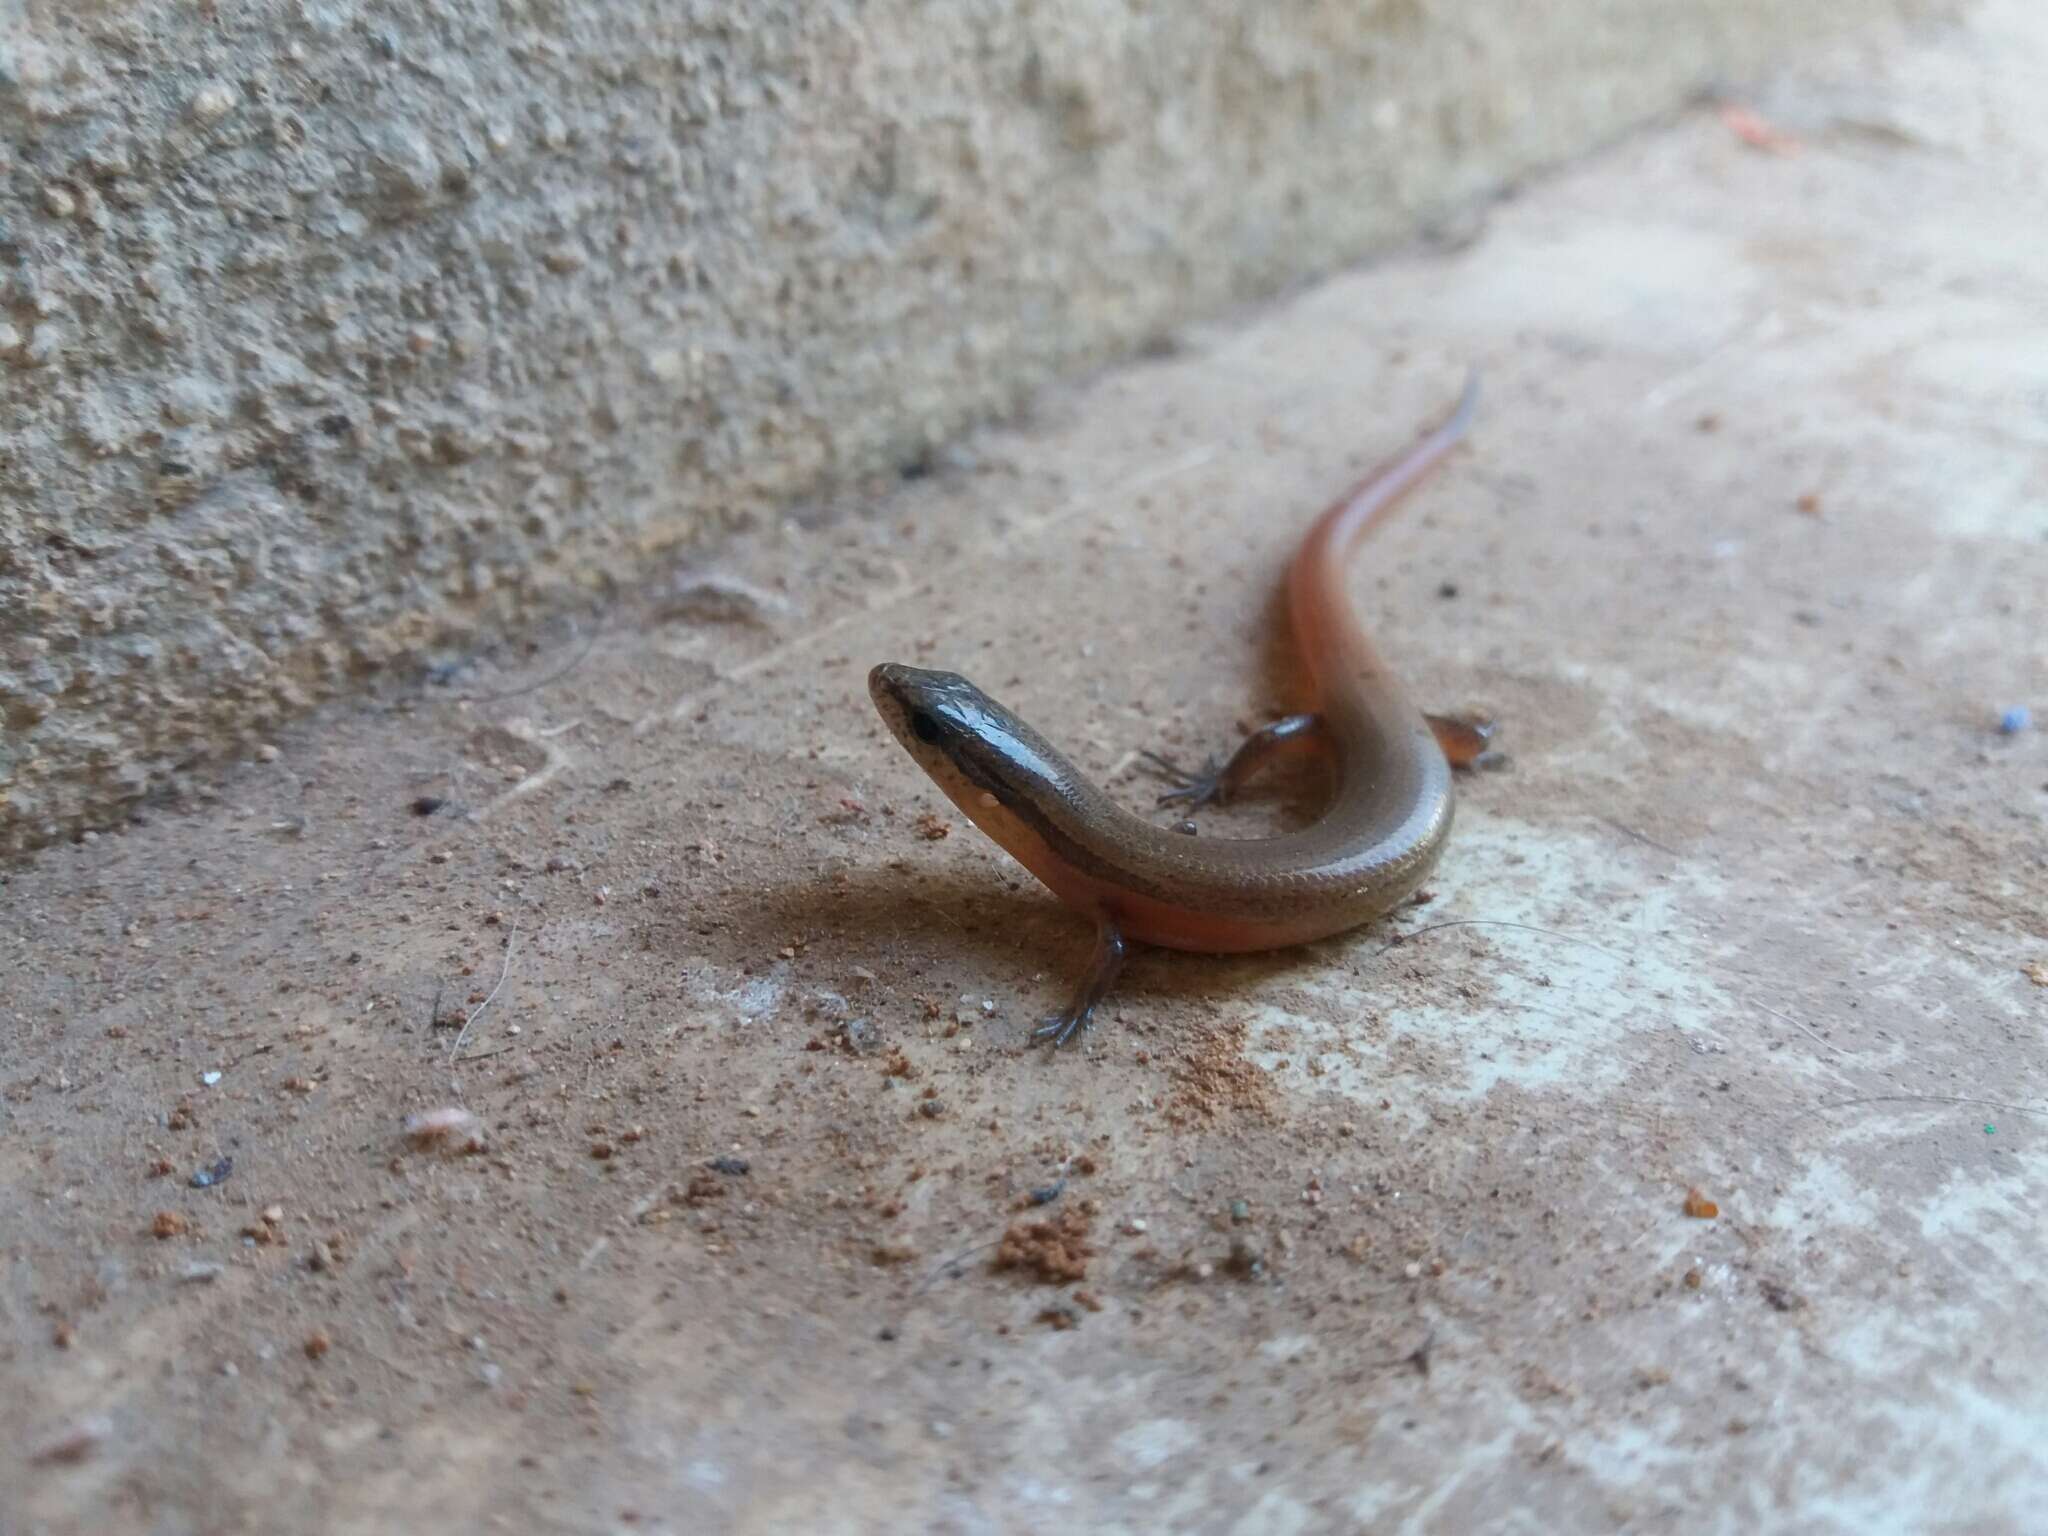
pixel 1748 555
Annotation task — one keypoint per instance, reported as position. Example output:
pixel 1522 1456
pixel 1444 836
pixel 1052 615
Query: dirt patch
pixel 1055 1251
pixel 1213 1081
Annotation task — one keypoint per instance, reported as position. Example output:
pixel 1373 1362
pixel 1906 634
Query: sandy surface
pixel 1748 555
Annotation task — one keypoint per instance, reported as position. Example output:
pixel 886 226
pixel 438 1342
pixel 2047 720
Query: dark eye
pixel 923 726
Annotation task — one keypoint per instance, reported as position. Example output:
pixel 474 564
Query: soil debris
pixel 1054 1251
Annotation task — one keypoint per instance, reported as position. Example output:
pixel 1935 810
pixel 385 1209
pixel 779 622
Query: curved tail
pixel 1327 629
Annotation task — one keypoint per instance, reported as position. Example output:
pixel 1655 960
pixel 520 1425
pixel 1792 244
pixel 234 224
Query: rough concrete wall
pixel 329 328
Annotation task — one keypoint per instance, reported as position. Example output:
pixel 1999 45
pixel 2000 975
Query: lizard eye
pixel 923 726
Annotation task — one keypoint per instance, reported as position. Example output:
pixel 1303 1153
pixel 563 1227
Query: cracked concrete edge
pixel 331 333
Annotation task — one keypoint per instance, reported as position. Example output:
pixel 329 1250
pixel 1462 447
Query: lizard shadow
pixel 919 940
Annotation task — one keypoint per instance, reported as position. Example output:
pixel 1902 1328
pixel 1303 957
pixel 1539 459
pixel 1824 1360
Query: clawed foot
pixel 1060 1028
pixel 1196 789
pixel 1465 740
pixel 1101 976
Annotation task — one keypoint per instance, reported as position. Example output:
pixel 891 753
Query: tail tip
pixel 1468 402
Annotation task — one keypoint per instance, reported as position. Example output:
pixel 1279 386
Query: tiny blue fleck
pixel 2013 721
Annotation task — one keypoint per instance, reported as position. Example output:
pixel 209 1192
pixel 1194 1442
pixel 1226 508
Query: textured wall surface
pixel 329 329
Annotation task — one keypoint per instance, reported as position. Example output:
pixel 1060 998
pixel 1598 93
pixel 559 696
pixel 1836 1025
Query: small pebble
pixel 2013 721
pixel 73 1445
pixel 435 1127
pixel 212 103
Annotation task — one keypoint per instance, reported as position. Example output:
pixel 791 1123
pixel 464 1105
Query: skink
pixel 1378 838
